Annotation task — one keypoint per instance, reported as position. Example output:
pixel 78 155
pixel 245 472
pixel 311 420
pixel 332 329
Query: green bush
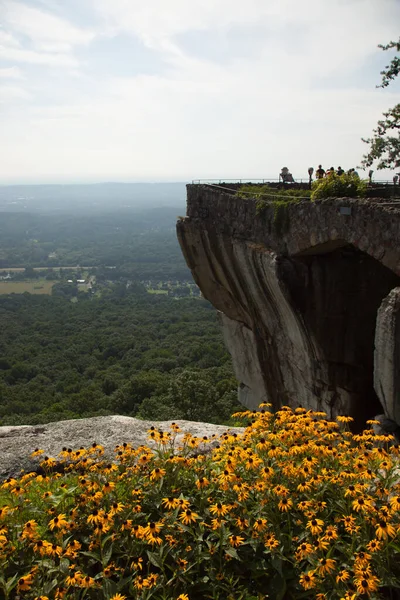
pixel 335 186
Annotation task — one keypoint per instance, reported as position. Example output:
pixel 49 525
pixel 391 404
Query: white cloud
pixel 288 104
pixel 11 73
pixel 11 93
pixel 42 27
pixel 37 58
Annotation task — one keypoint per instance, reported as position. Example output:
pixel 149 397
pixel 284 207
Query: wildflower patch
pixel 295 507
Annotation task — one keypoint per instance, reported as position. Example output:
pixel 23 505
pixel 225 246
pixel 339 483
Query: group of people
pixel 286 176
pixel 320 173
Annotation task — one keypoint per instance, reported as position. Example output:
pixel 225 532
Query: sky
pixel 150 90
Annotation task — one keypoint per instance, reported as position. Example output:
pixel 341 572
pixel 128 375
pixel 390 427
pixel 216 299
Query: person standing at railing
pixel 320 172
pixel 286 176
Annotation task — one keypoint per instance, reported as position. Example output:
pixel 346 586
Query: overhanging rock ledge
pixel 309 308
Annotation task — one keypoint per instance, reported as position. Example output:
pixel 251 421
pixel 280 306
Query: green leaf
pixel 96 557
pixel 154 559
pixel 276 586
pixel 232 552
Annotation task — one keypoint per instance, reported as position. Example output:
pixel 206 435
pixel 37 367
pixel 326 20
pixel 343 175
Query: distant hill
pixel 90 197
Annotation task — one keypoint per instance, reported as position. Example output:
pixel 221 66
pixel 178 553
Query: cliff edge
pixel 309 297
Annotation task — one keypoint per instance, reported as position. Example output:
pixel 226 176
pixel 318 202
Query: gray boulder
pixel 17 443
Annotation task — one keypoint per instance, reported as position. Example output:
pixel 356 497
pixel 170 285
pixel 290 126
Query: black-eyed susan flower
pixel 219 509
pixel 326 565
pixel 342 576
pixel 307 580
pixel 395 503
pixel 25 583
pixel 362 503
pixel 58 522
pixel 188 516
pixel 304 550
pixel 374 546
pixel 315 526
pixel 236 540
pixel 202 483
pixel 157 473
pixel 260 524
pixel 384 530
pixel 366 585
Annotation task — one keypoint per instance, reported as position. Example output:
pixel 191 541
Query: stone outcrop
pixel 299 288
pixel 17 443
pixel 387 355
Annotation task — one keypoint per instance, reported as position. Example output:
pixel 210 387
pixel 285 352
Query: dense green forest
pixel 126 352
pixel 142 244
pixel 125 333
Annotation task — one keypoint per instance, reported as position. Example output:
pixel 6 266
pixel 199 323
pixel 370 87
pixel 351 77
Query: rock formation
pixel 17 443
pixel 299 288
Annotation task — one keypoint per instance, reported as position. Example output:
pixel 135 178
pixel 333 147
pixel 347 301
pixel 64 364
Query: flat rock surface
pixel 17 443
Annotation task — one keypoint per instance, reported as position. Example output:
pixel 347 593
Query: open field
pixel 35 286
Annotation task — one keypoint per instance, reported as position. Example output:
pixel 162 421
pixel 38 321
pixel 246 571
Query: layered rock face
pixel 299 290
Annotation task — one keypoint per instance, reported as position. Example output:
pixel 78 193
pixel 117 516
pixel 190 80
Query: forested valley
pixel 125 331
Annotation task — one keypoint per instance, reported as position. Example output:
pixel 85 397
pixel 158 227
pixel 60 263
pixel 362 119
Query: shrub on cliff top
pixel 335 186
pixel 296 507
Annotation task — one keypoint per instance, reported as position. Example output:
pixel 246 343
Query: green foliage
pixel 292 507
pixel 109 354
pixel 385 143
pixel 267 193
pixel 278 198
pixel 335 186
pixel 140 245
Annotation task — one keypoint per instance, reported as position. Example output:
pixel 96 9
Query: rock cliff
pixel 307 296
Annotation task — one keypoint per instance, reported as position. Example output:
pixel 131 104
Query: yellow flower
pixel 260 525
pixel 58 522
pixel 242 523
pixel 362 504
pixel 25 583
pixel 236 540
pixel 118 597
pixel 307 580
pixel 157 473
pixel 285 504
pixel 385 529
pixel 202 483
pixel 219 509
pixel 343 575
pixel 344 419
pixel 187 517
pixel 181 562
pixel 366 585
pixel 374 546
pixel 183 597
pixel 304 550
pixel 150 581
pixel 153 528
pixel 116 508
pixel 30 530
pixel 170 503
pixel 326 565
pixel 395 503
pixel 315 526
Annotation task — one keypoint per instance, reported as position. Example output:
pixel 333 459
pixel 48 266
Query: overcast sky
pixel 157 90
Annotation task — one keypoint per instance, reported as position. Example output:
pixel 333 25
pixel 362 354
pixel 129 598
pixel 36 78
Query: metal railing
pixel 272 180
